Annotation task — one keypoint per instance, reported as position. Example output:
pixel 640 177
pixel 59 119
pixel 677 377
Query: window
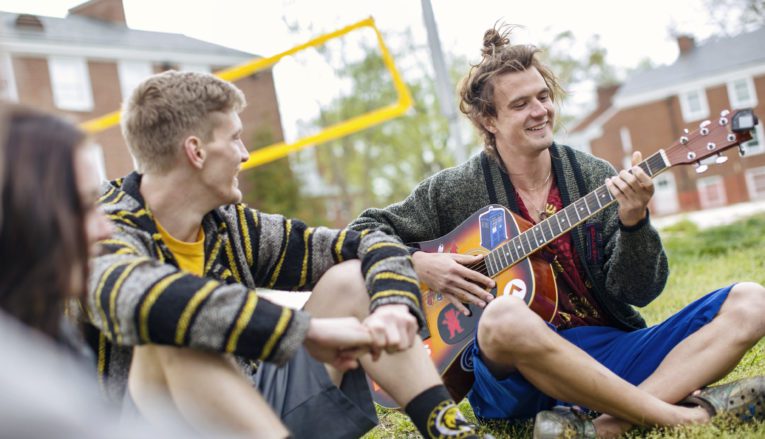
pixel 7 79
pixel 70 82
pixel 694 105
pixel 755 183
pixel 131 74
pixel 741 93
pixel 757 144
pixel 624 135
pixel 664 199
pixel 711 191
pixel 200 68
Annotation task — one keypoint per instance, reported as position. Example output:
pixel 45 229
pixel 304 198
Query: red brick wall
pixel 659 124
pixel 34 89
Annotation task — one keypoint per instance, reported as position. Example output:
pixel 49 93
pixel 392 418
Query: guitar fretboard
pixel 546 231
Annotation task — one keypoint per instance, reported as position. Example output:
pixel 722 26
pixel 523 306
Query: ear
pixel 488 124
pixel 193 151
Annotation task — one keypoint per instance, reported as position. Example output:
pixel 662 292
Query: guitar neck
pixel 546 231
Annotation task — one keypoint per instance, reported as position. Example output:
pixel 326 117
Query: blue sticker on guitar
pixel 493 228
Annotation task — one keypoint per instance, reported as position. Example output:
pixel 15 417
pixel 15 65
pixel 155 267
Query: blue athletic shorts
pixel 632 355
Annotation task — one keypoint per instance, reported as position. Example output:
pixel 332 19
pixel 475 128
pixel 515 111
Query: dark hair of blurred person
pixel 50 217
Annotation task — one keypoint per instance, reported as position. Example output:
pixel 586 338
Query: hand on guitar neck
pixel 450 274
pixel 632 189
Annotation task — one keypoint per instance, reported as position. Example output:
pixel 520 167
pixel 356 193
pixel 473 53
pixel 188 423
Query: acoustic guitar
pixel 512 245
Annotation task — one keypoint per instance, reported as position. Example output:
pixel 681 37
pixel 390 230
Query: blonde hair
pixel 167 108
pixel 499 57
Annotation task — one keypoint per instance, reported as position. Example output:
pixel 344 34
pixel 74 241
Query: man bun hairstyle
pixel 498 56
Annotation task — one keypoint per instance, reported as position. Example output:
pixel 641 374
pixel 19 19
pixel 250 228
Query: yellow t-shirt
pixel 190 255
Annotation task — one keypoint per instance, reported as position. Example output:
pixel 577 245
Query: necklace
pixel 541 209
pixel 532 189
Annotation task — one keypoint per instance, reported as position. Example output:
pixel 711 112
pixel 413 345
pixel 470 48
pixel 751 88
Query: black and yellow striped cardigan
pixel 138 295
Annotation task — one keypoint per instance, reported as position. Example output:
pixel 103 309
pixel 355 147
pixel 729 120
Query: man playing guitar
pixel 593 349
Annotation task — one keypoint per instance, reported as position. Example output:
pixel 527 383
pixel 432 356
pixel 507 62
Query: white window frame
pixel 735 103
pixel 665 202
pixel 759 136
pixel 76 95
pixel 749 176
pixel 198 68
pixel 8 90
pixel 132 73
pixel 690 115
pixel 711 181
pixel 626 138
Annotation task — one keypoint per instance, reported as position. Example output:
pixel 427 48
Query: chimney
pixel 104 10
pixel 606 94
pixel 29 21
pixel 686 44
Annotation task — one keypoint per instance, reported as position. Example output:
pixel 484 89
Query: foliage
pixel 273 188
pixel 382 164
pixel 700 261
pixel 735 16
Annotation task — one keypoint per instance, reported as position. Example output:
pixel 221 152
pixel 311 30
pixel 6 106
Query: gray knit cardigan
pixel 624 266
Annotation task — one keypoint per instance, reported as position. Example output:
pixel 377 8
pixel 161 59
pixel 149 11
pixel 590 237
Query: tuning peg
pixel 724 113
pixel 700 168
pixel 703 127
pixel 721 159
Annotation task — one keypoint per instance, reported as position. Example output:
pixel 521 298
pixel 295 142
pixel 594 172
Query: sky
pixel 630 30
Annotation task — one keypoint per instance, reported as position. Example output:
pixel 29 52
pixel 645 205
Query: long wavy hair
pixel 43 246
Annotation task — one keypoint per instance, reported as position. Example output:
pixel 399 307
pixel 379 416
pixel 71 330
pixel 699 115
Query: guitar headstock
pixel 711 138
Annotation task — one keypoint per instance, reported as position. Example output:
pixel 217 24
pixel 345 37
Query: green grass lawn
pixel 700 261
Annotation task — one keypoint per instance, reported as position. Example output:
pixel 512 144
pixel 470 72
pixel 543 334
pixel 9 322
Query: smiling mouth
pixel 538 127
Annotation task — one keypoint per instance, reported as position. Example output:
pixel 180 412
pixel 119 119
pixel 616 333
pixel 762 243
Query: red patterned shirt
pixel 576 306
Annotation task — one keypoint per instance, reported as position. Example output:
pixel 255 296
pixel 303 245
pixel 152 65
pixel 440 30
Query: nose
pixel 538 109
pixel 244 155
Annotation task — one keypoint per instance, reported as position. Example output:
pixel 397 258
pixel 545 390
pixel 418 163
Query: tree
pixel 273 187
pixel 735 16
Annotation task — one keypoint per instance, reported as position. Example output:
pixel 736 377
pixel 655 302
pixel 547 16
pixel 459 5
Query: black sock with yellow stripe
pixel 436 415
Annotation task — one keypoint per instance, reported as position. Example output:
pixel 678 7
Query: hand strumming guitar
pixel 446 273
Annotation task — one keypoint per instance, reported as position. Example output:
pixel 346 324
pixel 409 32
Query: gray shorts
pixel 310 405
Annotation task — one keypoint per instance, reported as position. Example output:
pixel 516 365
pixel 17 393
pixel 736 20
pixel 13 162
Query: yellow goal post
pixel 278 150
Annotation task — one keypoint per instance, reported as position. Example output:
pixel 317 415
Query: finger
pixel 466 259
pixel 393 339
pixel 616 186
pixel 637 157
pixel 469 292
pixel 479 278
pixel 458 304
pixel 627 177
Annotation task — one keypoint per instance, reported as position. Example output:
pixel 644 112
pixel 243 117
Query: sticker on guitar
pixel 517 288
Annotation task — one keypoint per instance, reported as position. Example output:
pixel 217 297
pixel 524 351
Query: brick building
pixel 650 110
pixel 82 66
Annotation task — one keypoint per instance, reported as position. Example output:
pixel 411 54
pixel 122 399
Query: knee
pixel 343 286
pixel 746 305
pixel 508 326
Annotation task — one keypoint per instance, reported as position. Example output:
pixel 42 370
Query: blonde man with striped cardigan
pixel 174 290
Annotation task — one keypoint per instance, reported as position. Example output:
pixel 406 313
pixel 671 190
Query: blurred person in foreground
pixel 51 221
pixel 596 352
pixel 174 289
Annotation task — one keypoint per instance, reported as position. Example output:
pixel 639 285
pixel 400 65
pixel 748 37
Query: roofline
pixel 99 52
pixel 635 99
